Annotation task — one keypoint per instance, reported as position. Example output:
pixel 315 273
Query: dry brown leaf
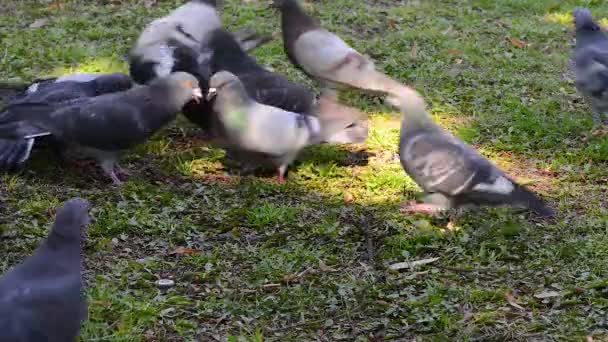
pixel 414 52
pixel 512 302
pixel 407 264
pixel 324 268
pixel 392 24
pixel 454 52
pixel 518 43
pixel 38 23
pixel 547 294
pixel 185 251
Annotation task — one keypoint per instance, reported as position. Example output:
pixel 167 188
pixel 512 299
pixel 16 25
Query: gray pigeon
pixel 104 126
pixel 14 153
pixel 325 56
pixel 279 134
pixel 41 299
pixel 451 173
pixel 591 62
pixel 176 42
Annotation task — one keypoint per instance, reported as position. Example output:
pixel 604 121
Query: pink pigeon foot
pixel 412 207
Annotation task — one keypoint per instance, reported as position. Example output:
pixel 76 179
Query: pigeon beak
pixel 211 94
pixel 197 94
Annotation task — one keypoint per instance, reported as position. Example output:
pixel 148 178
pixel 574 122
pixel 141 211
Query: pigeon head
pixel 583 20
pixel 227 85
pixel 231 100
pixel 182 88
pixel 71 219
pixel 111 83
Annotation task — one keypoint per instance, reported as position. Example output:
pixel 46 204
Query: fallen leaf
pixel 348 197
pixel 392 24
pixel 324 268
pixel 547 294
pixel 185 251
pixel 414 51
pixel 512 302
pixel 518 43
pixel 454 52
pixel 407 264
pixel 38 23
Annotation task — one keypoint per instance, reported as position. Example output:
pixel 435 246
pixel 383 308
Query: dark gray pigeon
pixel 104 126
pixel 279 134
pixel 325 56
pixel 14 153
pixel 176 42
pixel 41 299
pixel 591 62
pixel 452 174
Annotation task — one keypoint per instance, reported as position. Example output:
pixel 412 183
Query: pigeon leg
pixel 107 165
pixel 412 207
pixel 281 170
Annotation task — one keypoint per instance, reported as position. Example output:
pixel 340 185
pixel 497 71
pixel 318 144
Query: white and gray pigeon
pixel 452 174
pixel 14 153
pixel 177 42
pixel 591 63
pixel 279 134
pixel 103 127
pixel 42 298
pixel 325 56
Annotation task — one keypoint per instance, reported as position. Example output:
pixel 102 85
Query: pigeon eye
pixel 187 84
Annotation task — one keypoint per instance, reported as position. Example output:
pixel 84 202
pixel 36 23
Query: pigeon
pixel 325 56
pixel 263 86
pixel 277 133
pixel 591 62
pixel 42 298
pixel 104 126
pixel 176 42
pixel 14 153
pixel 452 174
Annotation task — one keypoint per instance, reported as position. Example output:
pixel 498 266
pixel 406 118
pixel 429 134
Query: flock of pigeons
pixel 186 62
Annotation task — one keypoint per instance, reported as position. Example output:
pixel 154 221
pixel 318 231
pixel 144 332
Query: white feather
pixel 196 19
pixel 33 88
pixel 500 186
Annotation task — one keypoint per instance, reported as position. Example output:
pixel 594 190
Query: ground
pixel 310 260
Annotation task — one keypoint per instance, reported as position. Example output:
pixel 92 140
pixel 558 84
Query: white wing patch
pixel 33 88
pixel 166 62
pixel 500 186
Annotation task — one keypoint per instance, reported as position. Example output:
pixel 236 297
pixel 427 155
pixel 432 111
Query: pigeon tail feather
pixel 524 197
pixel 335 117
pixel 13 153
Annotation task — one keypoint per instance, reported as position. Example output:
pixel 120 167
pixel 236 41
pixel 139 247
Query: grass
pixel 309 260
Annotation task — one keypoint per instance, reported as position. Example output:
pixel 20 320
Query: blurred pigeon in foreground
pixel 176 42
pixel 41 298
pixel 325 56
pixel 104 126
pixel 591 62
pixel 272 131
pixel 451 173
pixel 13 153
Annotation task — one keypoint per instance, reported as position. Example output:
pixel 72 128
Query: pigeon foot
pixel 413 207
